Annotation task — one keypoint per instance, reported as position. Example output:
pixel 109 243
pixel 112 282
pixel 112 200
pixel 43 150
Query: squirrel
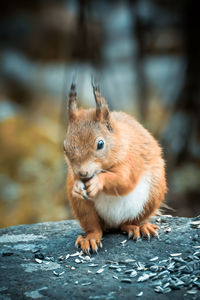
pixel 116 173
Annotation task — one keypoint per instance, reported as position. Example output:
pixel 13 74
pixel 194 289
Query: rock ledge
pixel 40 261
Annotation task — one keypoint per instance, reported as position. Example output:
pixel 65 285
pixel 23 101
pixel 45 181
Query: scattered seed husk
pixel 195 224
pixel 61 257
pixel 58 274
pixel 144 277
pixel 93 265
pixel 154 268
pixel 129 260
pixel 164 273
pixel 168 229
pixel 77 261
pixel 196 247
pixel 140 266
pixel 133 274
pixel 87 257
pixel 156 283
pixel 166 285
pixel 123 242
pixel 115 277
pixel 113 266
pixel 139 294
pixel 158 289
pixel 166 290
pixel 100 271
pixel 192 292
pixel 50 258
pixel 128 271
pixel 86 283
pixel 75 254
pixel 126 280
pixel 73 268
pixel 119 270
pixel 175 254
pixel 154 258
pixel 39 261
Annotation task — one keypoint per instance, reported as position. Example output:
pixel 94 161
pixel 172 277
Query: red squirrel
pixel 116 173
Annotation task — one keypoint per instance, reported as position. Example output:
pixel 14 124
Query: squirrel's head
pixel 90 140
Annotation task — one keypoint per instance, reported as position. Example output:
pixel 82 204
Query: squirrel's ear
pixel 72 102
pixel 102 110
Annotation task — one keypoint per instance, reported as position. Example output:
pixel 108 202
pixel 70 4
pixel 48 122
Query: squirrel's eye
pixel 100 145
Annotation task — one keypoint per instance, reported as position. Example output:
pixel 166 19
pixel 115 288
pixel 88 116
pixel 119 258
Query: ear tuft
pixel 72 102
pixel 102 110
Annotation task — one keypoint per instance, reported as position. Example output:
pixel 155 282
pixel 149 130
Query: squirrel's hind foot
pixel 146 230
pixel 92 242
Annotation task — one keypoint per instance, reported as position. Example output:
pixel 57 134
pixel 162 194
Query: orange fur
pixel 129 152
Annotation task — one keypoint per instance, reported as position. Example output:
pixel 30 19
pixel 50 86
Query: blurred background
pixel 146 54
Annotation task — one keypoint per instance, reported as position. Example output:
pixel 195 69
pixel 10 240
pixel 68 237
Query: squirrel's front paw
pixel 93 186
pixel 78 190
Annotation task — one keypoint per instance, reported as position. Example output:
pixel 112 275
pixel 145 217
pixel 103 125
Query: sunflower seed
pixel 100 271
pixel 115 277
pixel 77 261
pixel 139 294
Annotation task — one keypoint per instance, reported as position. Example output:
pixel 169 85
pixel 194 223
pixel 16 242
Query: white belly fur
pixel 117 209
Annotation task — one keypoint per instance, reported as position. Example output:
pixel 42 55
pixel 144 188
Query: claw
pixel 100 245
pixel 130 235
pixel 149 237
pixel 137 239
pixel 95 250
pixel 87 251
pixel 157 235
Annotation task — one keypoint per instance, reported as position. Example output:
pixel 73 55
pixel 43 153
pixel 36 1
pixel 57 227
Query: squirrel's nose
pixel 83 174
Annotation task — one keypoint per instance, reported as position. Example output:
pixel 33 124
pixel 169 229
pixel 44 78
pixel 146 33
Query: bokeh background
pixel 146 55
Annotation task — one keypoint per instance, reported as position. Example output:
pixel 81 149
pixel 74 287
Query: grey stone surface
pixel 55 277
